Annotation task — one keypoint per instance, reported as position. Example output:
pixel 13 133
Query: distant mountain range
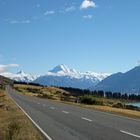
pixel 61 75
pixel 128 82
pixel 20 76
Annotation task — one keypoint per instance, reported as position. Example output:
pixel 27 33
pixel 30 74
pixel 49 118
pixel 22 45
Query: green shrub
pixel 118 105
pixel 44 95
pixel 33 90
pixel 90 100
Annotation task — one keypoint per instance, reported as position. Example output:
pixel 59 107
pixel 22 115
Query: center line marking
pixel 44 105
pixel 86 119
pixel 65 112
pixel 52 108
pixel 128 133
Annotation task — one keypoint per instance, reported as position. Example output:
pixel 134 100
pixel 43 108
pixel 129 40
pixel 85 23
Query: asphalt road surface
pixel 58 121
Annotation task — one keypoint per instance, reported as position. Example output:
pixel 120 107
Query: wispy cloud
pixel 25 21
pixel 38 5
pixel 4 67
pixel 88 16
pixel 14 21
pixel 49 13
pixel 64 10
pixel 70 9
pixel 20 21
pixel 87 4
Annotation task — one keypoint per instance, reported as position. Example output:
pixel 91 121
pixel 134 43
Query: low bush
pixel 118 105
pixel 90 100
pixel 33 90
pixel 44 95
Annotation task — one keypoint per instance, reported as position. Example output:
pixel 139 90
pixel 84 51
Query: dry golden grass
pixel 14 125
pixel 28 90
pixel 48 89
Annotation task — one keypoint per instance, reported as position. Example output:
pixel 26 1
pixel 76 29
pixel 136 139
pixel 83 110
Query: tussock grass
pixel 44 92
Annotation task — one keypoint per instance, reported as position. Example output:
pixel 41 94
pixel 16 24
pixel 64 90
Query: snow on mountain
pixel 61 75
pixel 20 76
pixel 63 70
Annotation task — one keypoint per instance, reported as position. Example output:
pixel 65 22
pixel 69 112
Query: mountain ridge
pixel 122 82
pixel 61 75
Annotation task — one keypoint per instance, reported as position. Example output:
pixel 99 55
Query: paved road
pixel 66 122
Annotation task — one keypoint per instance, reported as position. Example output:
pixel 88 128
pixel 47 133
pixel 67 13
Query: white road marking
pixel 86 119
pixel 43 104
pixel 38 103
pixel 65 112
pixel 52 108
pixel 131 134
pixel 39 128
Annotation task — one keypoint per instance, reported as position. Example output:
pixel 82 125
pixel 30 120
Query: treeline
pixel 27 83
pixel 110 95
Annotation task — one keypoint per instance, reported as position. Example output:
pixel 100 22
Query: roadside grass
pixel 114 106
pixel 14 125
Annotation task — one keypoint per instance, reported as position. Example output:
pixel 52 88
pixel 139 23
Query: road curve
pixel 66 122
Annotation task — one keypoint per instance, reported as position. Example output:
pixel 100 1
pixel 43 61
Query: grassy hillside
pixel 45 92
pixel 5 81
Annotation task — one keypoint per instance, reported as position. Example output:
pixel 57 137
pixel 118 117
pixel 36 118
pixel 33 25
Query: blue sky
pixel 98 35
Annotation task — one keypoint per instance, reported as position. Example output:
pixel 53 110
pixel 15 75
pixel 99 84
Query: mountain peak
pixel 21 72
pixel 60 68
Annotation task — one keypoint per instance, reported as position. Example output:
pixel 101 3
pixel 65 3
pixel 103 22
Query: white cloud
pixel 70 9
pixel 20 21
pixel 49 13
pixel 13 65
pixel 4 67
pixel 87 3
pixel 25 21
pixel 14 21
pixel 88 16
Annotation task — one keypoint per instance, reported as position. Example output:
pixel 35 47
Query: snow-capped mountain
pixel 20 76
pixel 61 75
